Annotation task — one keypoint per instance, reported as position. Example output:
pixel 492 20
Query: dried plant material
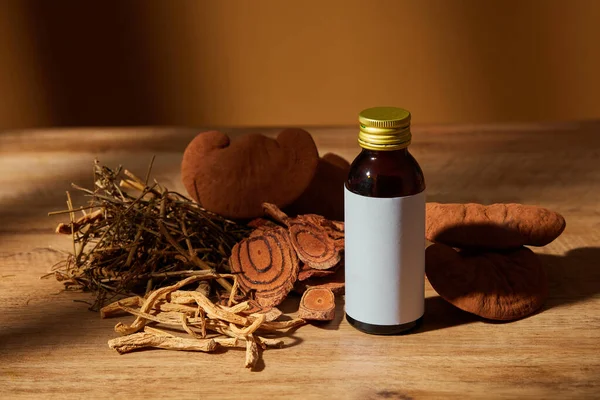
pixel 156 331
pixel 252 354
pixel 80 223
pixel 143 340
pixel 142 238
pixel 268 342
pixel 495 285
pixel 314 246
pixel 317 304
pixel 308 272
pixel 256 169
pixel 149 303
pixel 238 308
pixel 214 311
pixel 180 308
pixel 272 315
pixel 334 282
pixel 279 325
pixel 497 226
pixel 267 264
pixel 230 342
pixel 208 325
pixel 312 236
pixel 261 223
pixel 250 329
pixel 276 214
pixel 115 308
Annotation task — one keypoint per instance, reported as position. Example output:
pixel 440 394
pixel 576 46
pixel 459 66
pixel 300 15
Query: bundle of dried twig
pixel 128 245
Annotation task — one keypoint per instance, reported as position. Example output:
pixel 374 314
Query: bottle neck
pixel 386 153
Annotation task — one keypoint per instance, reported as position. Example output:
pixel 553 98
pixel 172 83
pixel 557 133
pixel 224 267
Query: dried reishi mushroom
pixel 496 285
pixel 325 194
pixel 497 226
pixel 234 177
pixel 267 264
pixel 317 304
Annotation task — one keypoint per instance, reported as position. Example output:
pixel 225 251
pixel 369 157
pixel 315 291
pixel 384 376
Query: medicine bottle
pixel 384 214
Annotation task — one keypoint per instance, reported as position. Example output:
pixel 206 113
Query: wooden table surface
pixel 52 346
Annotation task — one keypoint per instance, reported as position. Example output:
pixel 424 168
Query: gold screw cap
pixel 384 128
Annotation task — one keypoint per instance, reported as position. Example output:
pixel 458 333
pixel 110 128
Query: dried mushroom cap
pixel 495 285
pixel 268 264
pixel 233 178
pixel 325 194
pixel 317 304
pixel 497 226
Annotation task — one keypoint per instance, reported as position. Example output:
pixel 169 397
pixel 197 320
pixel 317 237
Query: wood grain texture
pixel 52 347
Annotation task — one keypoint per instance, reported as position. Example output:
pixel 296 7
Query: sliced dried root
pixel 267 264
pixel 317 304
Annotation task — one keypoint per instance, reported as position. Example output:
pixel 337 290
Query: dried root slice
pixel 318 241
pixel 313 245
pixel 307 272
pixel 335 229
pixel 335 282
pixel 317 304
pixel 267 264
pixel 142 340
pixel 261 223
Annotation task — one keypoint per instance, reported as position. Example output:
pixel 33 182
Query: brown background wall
pixel 296 62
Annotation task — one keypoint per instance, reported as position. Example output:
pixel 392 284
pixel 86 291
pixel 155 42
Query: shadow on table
pixel 573 278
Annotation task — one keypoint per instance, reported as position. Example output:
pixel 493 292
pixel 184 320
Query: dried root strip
pixel 268 342
pixel 156 331
pixel 252 353
pixel 186 327
pixel 76 226
pixel 114 308
pixel 165 318
pixel 181 297
pixel 167 307
pixel 142 340
pixel 213 311
pixel 271 315
pixel 231 342
pixel 152 298
pixel 238 308
pixel 278 325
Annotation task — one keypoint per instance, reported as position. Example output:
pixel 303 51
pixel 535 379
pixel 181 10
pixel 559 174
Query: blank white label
pixel 384 258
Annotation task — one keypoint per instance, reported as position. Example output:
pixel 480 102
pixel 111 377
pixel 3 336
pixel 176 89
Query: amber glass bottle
pixel 385 227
